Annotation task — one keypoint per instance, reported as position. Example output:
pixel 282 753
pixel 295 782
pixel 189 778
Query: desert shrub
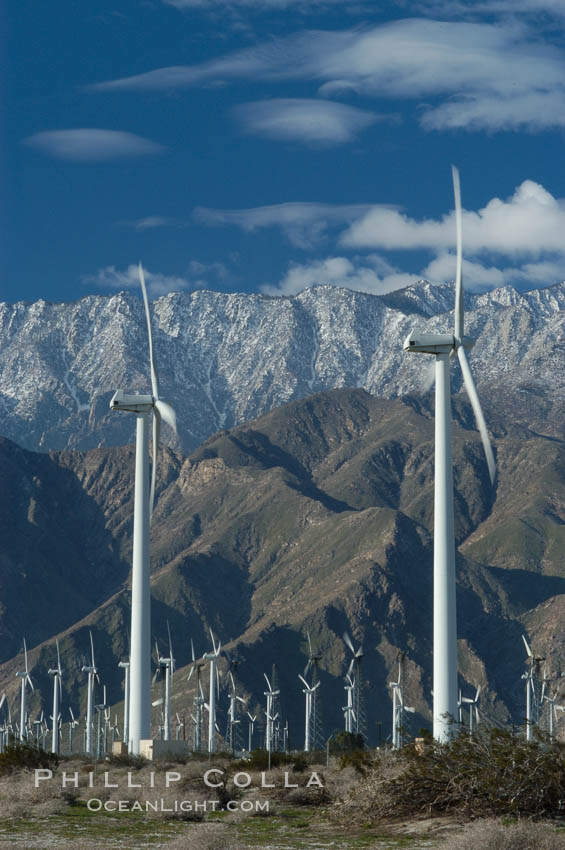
pixel 495 835
pixel 259 760
pixel 126 760
pixel 18 756
pixel 498 773
pixel 346 742
pixel 213 836
pixel 360 760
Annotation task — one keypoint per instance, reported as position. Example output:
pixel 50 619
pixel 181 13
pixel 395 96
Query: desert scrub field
pixel 349 806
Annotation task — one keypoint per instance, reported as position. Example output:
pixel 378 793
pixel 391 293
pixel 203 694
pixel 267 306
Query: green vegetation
pixel 18 756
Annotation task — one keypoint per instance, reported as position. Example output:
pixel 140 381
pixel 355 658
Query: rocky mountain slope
pixel 315 516
pixel 227 358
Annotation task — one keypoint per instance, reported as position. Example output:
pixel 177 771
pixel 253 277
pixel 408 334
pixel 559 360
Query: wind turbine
pixel 198 701
pixel 534 662
pixel 57 675
pixel 125 666
pixel 233 719
pixel 92 671
pixel 26 680
pixel 316 732
pixel 270 694
pixel 348 710
pixel 140 653
pixel 444 347
pixel 72 724
pixel 308 691
pixel 166 666
pixel 398 707
pixel 358 707
pixel 473 710
pixel 252 719
pixel 212 657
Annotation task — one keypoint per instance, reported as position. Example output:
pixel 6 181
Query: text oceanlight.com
pixel 175 806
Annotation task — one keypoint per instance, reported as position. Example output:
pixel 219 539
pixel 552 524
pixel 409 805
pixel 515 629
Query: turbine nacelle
pixel 132 403
pixel 422 343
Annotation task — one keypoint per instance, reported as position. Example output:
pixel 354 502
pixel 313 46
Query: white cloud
pixel 259 5
pixel 530 222
pixel 481 276
pixel 90 145
pixel 371 274
pixel 157 284
pixel 152 222
pixel 314 122
pixel 485 75
pixel 304 224
pixel 199 276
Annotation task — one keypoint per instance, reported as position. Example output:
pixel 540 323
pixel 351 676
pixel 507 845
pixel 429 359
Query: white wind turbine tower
pixel 270 694
pixel 212 657
pixel 198 701
pixel 57 675
pixel 125 666
pixel 348 711
pixel 166 667
pixel 533 661
pixel 140 653
pixel 72 724
pixel 444 347
pixel 473 710
pixel 26 680
pixel 92 671
pixel 308 691
pixel 252 719
pixel 357 695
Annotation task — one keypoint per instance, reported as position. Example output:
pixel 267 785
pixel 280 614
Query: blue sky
pixel 268 145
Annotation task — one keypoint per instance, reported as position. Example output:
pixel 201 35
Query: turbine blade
pixel 167 413
pixel 58 658
pixel 192 650
pixel 268 683
pixel 190 672
pixel 156 432
pixel 25 654
pixel 154 384
pixel 213 642
pixel 348 642
pixel 304 681
pixel 170 648
pixel 528 650
pixel 458 274
pixel 476 405
pixel 350 668
pixel 92 650
pixel 309 643
pixel 477 694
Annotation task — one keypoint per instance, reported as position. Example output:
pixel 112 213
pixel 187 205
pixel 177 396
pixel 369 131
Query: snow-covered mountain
pixel 227 358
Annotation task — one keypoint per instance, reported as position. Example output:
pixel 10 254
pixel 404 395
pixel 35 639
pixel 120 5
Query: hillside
pixel 315 516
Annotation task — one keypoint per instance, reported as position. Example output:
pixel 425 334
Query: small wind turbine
pixel 92 671
pixel 233 719
pixel 72 724
pixel 252 719
pixel 26 680
pixel 473 710
pixel 198 701
pixel 125 666
pixel 212 657
pixel 530 676
pixel 316 731
pixel 358 708
pixel 167 668
pixel 348 710
pixel 140 654
pixel 57 694
pixel 308 691
pixel 270 694
pixel 398 707
pixel 444 346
